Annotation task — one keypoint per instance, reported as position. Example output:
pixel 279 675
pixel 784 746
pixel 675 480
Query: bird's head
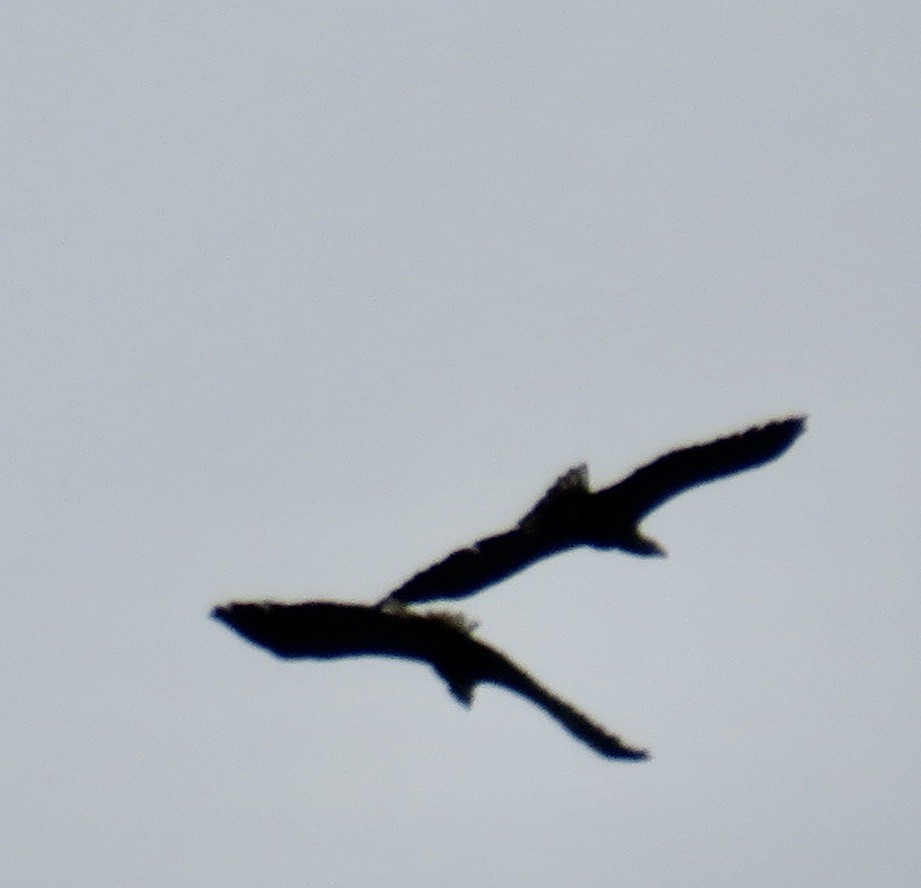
pixel 626 538
pixel 638 544
pixel 460 686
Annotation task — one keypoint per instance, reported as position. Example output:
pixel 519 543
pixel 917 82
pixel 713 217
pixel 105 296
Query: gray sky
pixel 300 298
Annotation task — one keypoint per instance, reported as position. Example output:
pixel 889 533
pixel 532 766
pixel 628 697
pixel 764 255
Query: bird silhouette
pixel 324 630
pixel 570 514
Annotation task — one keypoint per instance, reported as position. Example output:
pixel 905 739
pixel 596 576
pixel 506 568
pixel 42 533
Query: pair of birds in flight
pixel 569 514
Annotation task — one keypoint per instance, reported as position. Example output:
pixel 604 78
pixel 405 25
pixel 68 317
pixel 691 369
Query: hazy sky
pixel 301 296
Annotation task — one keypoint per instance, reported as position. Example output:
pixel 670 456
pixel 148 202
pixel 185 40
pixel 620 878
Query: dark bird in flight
pixel 570 514
pixel 326 630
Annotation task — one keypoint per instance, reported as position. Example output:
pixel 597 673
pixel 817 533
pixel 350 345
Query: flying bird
pixel 325 630
pixel 570 514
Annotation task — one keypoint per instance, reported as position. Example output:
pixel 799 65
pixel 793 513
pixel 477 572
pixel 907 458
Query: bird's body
pixel 570 514
pixel 323 630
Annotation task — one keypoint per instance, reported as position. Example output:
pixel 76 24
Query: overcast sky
pixel 301 296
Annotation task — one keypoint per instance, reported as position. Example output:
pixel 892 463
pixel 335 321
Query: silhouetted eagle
pixel 323 630
pixel 570 514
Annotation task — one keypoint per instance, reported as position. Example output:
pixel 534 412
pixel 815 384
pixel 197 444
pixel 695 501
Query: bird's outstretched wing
pixel 673 473
pixel 323 630
pixel 475 567
pixel 546 529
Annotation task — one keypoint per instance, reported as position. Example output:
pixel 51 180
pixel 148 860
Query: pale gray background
pixel 299 296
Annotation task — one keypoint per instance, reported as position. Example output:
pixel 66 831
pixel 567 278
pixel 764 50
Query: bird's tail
pixel 557 504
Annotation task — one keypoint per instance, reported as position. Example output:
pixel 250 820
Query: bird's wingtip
pixel 636 755
pixel 794 426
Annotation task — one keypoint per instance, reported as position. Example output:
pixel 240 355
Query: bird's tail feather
pixel 556 502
